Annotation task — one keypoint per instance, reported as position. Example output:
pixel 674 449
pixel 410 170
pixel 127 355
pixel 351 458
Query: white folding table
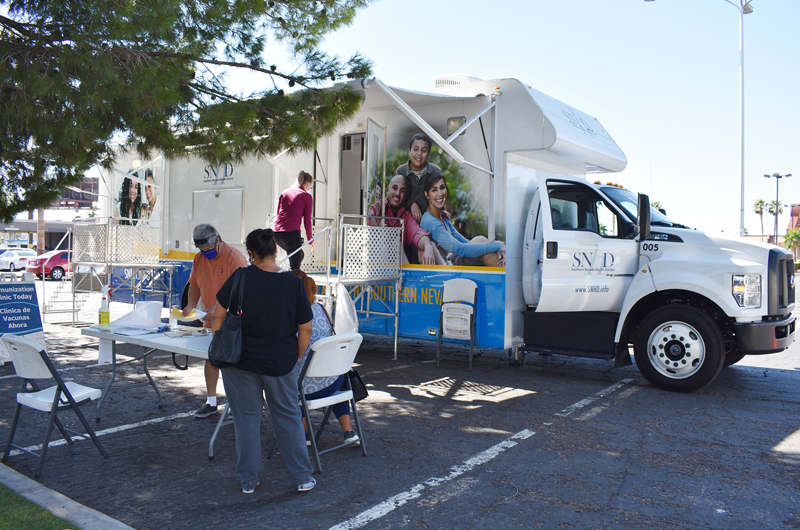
pixel 192 346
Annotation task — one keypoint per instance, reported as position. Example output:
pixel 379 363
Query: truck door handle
pixel 552 249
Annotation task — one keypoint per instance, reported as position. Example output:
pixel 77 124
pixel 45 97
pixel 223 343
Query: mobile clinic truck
pixel 589 269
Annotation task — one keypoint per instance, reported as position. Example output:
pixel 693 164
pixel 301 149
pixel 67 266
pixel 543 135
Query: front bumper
pixel 754 338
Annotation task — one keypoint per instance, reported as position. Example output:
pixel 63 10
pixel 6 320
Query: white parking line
pixel 389 505
pixel 591 399
pixel 416 491
pixel 112 430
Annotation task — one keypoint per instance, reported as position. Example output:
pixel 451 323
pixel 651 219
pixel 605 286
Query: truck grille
pixel 780 288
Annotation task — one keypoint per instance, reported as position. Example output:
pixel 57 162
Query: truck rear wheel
pixel 679 348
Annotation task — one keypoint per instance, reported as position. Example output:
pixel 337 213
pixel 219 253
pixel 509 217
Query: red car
pixel 60 262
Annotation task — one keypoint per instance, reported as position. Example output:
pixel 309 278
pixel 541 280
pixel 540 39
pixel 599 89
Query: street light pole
pixel 777 177
pixel 744 8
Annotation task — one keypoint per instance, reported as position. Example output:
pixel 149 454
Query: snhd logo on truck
pixel 593 262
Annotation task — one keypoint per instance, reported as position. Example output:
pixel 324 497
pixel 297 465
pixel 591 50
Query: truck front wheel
pixel 679 348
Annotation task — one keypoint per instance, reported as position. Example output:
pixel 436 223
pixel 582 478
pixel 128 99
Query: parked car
pixel 59 264
pixel 16 259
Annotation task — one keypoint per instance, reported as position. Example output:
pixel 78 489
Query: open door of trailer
pixel 363 160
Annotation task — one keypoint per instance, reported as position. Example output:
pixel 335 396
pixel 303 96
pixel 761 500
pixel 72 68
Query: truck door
pixel 589 254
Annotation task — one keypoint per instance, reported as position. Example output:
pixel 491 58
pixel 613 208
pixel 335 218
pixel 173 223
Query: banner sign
pixel 19 313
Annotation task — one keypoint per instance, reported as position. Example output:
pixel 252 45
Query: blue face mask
pixel 209 254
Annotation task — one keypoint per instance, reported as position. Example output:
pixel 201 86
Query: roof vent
pixel 446 80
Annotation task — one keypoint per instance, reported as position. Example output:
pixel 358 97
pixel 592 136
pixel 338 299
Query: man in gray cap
pixel 211 267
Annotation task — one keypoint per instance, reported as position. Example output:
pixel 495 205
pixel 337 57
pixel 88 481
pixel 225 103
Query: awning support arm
pixel 422 124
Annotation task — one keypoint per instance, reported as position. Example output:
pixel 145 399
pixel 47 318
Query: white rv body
pixel 513 143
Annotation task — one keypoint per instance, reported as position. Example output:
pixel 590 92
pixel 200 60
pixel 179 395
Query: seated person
pixel 416 169
pixel 478 251
pixel 417 244
pixel 320 387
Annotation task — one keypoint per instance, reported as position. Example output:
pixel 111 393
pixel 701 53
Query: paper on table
pixel 146 315
pixel 133 331
pixel 194 314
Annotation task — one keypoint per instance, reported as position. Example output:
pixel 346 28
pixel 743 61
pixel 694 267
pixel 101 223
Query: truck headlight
pixel 746 290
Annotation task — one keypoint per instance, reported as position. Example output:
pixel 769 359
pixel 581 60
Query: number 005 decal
pixel 650 247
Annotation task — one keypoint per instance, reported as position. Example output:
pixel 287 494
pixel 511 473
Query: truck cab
pixel 603 271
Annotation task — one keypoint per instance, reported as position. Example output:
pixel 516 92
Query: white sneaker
pixel 308 486
pixel 350 437
pixel 245 490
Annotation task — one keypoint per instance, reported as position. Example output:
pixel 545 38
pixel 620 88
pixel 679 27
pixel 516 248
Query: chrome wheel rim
pixel 676 350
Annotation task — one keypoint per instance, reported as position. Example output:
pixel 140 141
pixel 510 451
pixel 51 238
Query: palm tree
pixel 792 240
pixel 775 209
pixel 759 207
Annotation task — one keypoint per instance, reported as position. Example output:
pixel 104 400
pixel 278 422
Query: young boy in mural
pixel 461 251
pixel 417 245
pixel 415 170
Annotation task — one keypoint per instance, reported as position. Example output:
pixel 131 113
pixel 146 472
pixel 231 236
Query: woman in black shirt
pixel 276 328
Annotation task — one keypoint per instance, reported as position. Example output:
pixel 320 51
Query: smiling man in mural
pixel 417 244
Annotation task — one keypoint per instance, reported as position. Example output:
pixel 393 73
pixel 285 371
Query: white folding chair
pixel 457 317
pixel 329 357
pixel 31 362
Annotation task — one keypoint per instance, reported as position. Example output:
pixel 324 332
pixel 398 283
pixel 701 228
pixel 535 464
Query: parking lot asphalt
pixel 554 443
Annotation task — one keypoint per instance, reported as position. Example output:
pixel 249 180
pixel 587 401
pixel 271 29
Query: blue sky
pixel 662 77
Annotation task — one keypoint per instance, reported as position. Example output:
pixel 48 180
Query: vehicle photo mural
pixel 138 200
pixel 445 209
pixel 443 206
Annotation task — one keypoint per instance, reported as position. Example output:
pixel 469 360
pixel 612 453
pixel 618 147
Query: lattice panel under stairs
pixel 371 252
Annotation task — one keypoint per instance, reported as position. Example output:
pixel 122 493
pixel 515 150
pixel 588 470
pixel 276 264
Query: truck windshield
pixel 628 201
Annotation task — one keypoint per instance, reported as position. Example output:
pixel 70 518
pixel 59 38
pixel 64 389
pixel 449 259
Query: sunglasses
pixel 203 242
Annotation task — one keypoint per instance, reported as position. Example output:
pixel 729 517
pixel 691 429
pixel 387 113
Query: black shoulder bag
pixel 226 346
pixel 356 384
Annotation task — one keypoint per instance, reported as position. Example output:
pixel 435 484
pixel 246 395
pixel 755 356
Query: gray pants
pixel 243 391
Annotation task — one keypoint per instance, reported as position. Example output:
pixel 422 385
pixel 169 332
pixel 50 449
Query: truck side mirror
pixel 644 217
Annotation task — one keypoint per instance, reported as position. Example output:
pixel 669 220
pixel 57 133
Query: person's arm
pixel 308 209
pixel 194 297
pixel 303 338
pixel 219 316
pixel 416 211
pixel 412 231
pixel 428 256
pixel 444 237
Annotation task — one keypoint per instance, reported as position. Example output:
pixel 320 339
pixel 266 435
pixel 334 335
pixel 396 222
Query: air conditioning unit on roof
pixel 446 80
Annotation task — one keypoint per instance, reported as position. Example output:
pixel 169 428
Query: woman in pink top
pixel 295 205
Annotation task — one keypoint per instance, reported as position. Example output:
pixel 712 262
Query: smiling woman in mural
pixel 130 200
pixel 478 251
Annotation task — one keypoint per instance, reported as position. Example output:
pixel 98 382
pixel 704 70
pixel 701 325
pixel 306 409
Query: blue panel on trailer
pixel 421 298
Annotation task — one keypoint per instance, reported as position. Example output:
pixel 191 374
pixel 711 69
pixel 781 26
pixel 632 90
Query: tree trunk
pixel 40 232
